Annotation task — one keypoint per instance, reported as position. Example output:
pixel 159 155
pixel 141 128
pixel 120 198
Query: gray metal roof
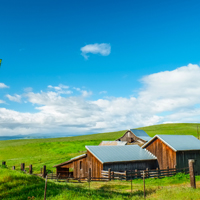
pixel 178 142
pixel 111 143
pixel 107 154
pixel 141 134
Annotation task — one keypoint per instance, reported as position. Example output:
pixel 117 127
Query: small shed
pixel 113 143
pixel 78 164
pixel 175 150
pixel 118 158
pixel 135 136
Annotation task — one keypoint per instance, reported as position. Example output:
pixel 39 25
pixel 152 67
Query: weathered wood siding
pixel 123 166
pixel 61 172
pixel 165 155
pixel 95 165
pixel 130 138
pixel 79 166
pixel 182 158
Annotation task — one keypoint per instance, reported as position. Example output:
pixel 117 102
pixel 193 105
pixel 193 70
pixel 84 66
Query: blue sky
pixel 95 66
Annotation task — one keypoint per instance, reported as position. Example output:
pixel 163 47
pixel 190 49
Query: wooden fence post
pixel 112 175
pixel 147 172
pixel 13 168
pixel 144 183
pixel 109 174
pixel 125 175
pixel 30 169
pixel 192 174
pixel 45 188
pixel 22 166
pixel 44 171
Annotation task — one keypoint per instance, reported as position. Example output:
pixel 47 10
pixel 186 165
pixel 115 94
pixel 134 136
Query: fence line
pixel 126 175
pixel 135 174
pixel 108 175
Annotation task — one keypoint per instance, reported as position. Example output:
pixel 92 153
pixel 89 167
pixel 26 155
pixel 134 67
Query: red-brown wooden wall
pixel 165 155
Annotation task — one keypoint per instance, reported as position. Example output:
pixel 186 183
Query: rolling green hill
pixel 52 151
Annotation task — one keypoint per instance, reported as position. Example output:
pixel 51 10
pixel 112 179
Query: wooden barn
pixel 98 158
pixel 135 136
pixel 175 150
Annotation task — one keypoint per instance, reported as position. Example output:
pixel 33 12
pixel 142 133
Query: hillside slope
pixel 39 152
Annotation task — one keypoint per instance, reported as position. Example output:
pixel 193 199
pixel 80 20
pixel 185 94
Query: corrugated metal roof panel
pixel 107 154
pixel 179 142
pixel 141 134
pixel 113 143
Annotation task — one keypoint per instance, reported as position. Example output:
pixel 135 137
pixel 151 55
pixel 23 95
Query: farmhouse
pixel 175 150
pixel 135 136
pixel 98 158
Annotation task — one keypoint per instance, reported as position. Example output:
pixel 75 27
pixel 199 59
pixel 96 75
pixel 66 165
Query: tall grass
pixel 19 186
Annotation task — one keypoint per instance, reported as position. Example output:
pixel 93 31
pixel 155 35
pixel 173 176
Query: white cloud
pixel 28 89
pixel 2 85
pixel 1 101
pixel 86 93
pixel 59 87
pixel 103 92
pixel 104 49
pixel 16 98
pixel 169 96
pixel 171 90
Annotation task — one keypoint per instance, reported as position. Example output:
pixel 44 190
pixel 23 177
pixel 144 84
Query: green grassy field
pixel 16 185
pixel 50 152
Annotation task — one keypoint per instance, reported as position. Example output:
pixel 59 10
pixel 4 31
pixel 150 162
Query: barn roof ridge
pixel 93 153
pixel 141 134
pixel 178 142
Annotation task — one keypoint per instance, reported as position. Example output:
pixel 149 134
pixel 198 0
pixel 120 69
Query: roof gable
pixel 178 142
pixel 141 134
pixel 107 154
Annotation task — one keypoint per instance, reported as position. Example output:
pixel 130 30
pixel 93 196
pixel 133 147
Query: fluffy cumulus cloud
pixel 16 97
pixel 103 49
pixel 3 85
pixel 1 101
pixel 168 96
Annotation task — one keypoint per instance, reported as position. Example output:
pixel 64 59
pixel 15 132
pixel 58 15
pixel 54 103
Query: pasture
pixel 38 152
pixel 52 151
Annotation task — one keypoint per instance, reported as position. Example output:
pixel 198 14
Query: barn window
pixel 80 164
